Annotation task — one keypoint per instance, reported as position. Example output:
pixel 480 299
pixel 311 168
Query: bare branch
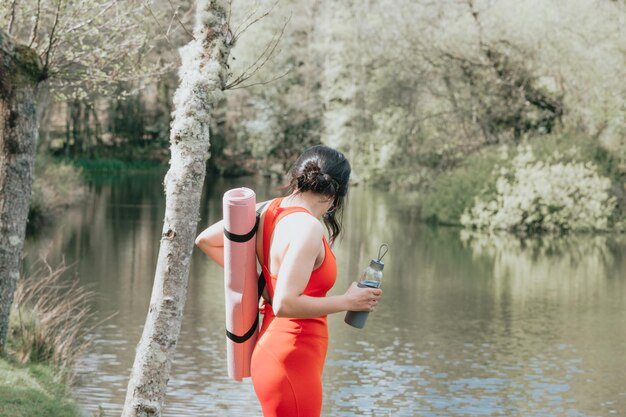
pixel 169 25
pixel 249 16
pixel 261 60
pixel 52 40
pixel 261 82
pixel 230 12
pixel 87 22
pixel 33 34
pixel 238 33
pixel 175 10
pixel 12 17
pixel 147 6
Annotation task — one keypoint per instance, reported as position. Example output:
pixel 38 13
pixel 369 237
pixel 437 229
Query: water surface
pixel 469 325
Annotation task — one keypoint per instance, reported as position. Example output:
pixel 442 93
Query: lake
pixel 469 325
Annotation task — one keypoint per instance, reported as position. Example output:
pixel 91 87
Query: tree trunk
pixel 20 71
pixel 77 135
pixel 68 124
pixel 202 78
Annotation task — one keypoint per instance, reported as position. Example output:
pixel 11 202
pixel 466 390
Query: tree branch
pixel 252 13
pixel 230 12
pixel 12 17
pixel 175 10
pixel 147 6
pixel 33 34
pixel 261 82
pixel 238 33
pixel 87 22
pixel 267 53
pixel 52 40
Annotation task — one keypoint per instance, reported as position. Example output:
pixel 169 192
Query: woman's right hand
pixel 362 298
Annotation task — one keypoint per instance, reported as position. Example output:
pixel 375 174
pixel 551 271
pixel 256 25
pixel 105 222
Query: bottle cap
pixel 378 264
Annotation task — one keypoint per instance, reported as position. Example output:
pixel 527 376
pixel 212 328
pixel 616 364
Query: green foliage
pixel 34 390
pixel 575 147
pixel 453 191
pixel 86 46
pixel 551 196
pixel 410 90
pixel 406 91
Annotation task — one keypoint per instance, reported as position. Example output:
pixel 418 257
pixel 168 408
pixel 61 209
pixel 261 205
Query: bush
pixel 57 185
pixel 452 192
pixel 551 196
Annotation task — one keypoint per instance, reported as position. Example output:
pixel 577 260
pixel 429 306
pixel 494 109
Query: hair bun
pixel 323 179
pixel 311 178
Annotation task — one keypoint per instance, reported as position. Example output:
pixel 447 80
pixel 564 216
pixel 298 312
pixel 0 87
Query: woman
pixel 300 268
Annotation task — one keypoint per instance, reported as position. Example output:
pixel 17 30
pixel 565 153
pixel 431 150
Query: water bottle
pixel 371 277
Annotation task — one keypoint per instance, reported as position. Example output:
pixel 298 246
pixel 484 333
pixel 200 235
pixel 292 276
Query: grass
pixel 48 332
pixel 49 316
pixel 34 390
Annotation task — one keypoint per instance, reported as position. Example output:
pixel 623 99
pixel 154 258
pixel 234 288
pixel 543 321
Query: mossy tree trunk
pixel 20 72
pixel 202 78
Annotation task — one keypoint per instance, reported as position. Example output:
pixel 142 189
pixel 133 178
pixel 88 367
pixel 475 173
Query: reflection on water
pixel 468 325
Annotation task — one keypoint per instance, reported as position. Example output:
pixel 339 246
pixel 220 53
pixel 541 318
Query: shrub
pixel 57 185
pixel 552 196
pixel 452 192
pixel 48 322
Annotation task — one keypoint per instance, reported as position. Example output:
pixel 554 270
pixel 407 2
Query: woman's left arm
pixel 211 242
pixel 305 237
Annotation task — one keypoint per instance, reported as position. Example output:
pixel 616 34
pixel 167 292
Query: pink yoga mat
pixel 240 280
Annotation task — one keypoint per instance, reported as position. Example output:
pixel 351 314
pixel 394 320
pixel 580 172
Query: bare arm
pixel 304 236
pixel 211 242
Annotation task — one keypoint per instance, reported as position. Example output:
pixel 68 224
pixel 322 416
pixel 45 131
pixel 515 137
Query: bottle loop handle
pixel 386 247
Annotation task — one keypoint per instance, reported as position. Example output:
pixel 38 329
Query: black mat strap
pixel 248 335
pixel 261 283
pixel 242 238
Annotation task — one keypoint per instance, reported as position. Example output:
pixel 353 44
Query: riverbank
pixel 57 185
pixel 115 165
pixel 60 183
pixel 34 390
pixel 555 183
pixel 47 334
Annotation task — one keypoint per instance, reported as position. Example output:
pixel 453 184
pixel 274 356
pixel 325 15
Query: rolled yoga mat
pixel 240 280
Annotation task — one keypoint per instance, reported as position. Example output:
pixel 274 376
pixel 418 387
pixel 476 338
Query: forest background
pixel 432 98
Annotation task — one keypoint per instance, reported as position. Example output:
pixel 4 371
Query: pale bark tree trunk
pixel 202 76
pixel 20 72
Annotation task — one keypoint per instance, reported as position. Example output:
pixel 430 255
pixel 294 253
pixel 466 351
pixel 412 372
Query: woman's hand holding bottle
pixel 369 284
pixel 362 298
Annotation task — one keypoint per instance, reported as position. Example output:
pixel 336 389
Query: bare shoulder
pixel 263 204
pixel 301 227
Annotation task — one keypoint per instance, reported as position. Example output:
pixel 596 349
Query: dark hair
pixel 325 171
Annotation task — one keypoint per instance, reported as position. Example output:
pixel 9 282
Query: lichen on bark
pixel 20 72
pixel 202 79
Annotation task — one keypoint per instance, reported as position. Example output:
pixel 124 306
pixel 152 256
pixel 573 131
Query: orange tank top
pixel 322 278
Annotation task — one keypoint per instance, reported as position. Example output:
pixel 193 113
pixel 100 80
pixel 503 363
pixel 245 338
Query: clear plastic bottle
pixel 371 277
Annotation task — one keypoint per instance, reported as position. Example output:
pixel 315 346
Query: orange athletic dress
pixel 288 358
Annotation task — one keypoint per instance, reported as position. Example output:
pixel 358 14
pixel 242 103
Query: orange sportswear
pixel 288 358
